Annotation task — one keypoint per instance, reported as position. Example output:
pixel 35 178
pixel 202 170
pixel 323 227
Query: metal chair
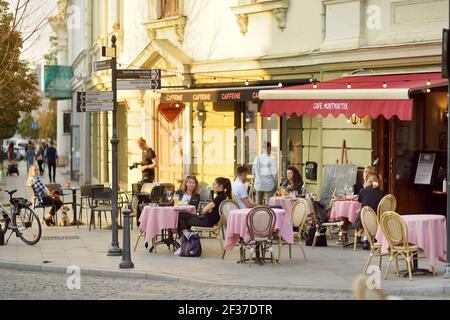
pixel 100 202
pixel 261 224
pixel 85 200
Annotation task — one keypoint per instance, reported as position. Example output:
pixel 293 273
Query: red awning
pixel 386 95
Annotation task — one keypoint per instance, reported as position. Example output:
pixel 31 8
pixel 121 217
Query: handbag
pixel 191 245
pixel 321 240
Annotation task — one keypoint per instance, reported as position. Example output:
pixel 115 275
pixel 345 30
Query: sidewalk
pixel 328 268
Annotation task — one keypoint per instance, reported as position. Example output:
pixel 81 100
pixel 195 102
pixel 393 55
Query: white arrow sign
pixel 99 96
pixel 138 84
pixel 99 106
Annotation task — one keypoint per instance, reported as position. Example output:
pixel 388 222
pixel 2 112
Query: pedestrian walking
pixel 30 156
pixel 51 159
pixel 265 172
pixel 40 158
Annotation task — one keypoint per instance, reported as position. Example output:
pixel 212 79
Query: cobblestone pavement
pixel 41 286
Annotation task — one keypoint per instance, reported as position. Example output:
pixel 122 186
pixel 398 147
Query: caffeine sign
pixel 171 111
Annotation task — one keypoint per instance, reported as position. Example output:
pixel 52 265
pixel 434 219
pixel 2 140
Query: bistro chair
pixel 100 202
pixel 370 224
pixel 388 203
pixel 225 207
pixel 299 213
pixel 395 230
pixel 85 201
pixel 37 205
pixel 261 224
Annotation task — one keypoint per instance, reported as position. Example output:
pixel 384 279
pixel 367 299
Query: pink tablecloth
pixel 155 219
pixel 237 227
pixel 346 209
pixel 429 232
pixel 287 203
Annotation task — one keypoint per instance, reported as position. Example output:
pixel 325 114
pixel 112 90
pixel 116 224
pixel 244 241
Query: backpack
pixel 191 247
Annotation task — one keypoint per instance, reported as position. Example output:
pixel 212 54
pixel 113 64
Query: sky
pixel 37 46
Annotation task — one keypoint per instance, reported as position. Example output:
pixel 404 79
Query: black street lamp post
pixel 114 249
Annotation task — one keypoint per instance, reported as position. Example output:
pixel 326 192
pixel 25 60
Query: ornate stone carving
pixel 242 20
pixel 280 16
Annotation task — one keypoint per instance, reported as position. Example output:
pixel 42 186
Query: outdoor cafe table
pixel 428 232
pixel 345 209
pixel 74 191
pixel 237 227
pixel 155 219
pixel 288 202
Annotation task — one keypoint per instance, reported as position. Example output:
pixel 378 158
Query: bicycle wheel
pixel 28 226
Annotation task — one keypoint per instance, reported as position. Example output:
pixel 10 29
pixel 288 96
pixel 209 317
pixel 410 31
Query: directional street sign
pixel 150 74
pixel 138 84
pixel 99 106
pixel 102 65
pixel 108 52
pixel 99 96
pixel 95 101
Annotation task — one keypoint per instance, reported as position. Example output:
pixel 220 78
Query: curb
pixel 440 291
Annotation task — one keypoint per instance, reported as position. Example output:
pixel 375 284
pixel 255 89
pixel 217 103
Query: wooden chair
pixel 396 232
pixel 299 216
pixel 261 224
pixel 370 224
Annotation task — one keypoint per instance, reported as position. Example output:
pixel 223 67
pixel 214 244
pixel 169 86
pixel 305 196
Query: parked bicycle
pixel 20 219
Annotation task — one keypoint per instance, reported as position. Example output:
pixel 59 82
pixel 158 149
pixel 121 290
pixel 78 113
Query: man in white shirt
pixel 239 189
pixel 265 172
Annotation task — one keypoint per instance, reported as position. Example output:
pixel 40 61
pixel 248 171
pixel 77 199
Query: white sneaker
pixel 177 253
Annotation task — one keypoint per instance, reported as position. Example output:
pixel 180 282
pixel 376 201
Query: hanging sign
pixel 171 111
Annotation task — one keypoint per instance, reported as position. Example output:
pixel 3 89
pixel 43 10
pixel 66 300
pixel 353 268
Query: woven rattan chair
pixel 261 224
pixel 370 224
pixel 298 220
pixel 225 207
pixel 396 232
pixel 388 203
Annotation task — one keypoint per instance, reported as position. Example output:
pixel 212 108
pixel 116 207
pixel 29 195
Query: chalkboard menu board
pixel 339 177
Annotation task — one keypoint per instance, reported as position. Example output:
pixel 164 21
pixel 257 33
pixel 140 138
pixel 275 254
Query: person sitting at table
pixel 210 215
pixel 44 196
pixel 189 192
pixel 368 171
pixel 370 196
pixel 293 182
pixel 239 189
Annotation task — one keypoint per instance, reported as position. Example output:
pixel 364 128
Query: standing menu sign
pixel 426 168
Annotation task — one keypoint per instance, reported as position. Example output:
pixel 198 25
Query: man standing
pixel 239 189
pixel 149 162
pixel 51 159
pixel 265 172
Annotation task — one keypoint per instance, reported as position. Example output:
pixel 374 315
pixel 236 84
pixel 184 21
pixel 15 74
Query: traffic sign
pixel 99 96
pixel 149 74
pixel 99 106
pixel 108 52
pixel 138 84
pixel 103 65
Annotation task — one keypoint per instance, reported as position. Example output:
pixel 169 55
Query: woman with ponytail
pixel 210 215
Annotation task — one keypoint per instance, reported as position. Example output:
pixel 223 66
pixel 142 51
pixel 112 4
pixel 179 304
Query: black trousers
pixel 142 198
pixel 52 165
pixel 188 220
pixel 41 167
pixel 47 201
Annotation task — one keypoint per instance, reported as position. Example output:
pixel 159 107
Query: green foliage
pixel 18 85
pixel 24 127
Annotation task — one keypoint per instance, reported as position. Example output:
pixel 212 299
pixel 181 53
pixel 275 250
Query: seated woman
pixel 368 171
pixel 294 181
pixel 370 196
pixel 210 216
pixel 189 192
pixel 44 196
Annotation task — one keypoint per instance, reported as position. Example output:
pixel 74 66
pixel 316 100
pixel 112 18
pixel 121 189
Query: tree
pixel 19 90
